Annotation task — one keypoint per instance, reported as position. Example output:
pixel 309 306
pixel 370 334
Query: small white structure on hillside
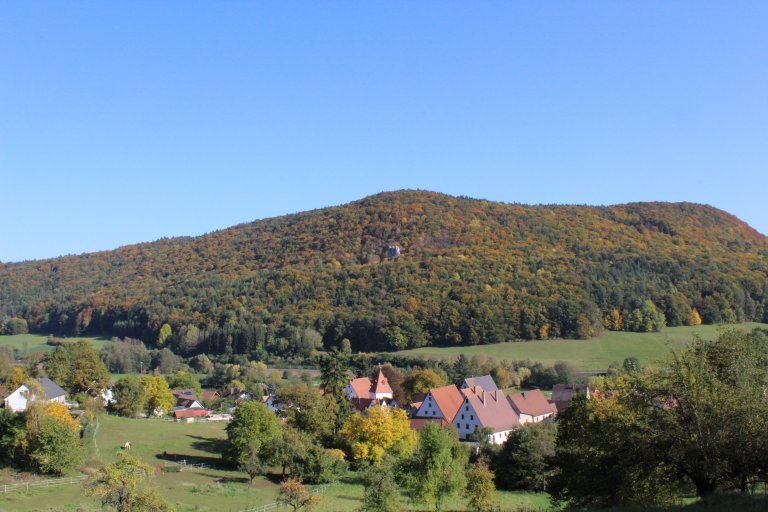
pixel 18 401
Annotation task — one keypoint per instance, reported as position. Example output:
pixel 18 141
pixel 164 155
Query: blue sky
pixel 123 122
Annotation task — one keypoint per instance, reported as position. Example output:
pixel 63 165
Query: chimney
pixel 523 393
pixel 482 399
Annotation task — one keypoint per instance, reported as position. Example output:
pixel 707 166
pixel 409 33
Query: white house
pixel 532 406
pixel 485 409
pixel 441 403
pixel 19 399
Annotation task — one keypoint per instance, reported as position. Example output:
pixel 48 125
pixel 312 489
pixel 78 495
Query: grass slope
pixel 216 489
pixel 593 354
pixel 27 343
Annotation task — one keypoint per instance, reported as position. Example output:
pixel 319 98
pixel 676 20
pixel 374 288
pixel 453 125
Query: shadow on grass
pixel 208 444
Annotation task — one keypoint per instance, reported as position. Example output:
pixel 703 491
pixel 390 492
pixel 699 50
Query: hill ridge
pixel 470 271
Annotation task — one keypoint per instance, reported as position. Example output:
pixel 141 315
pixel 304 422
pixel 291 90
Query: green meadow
pixel 28 343
pixel 594 354
pixel 218 488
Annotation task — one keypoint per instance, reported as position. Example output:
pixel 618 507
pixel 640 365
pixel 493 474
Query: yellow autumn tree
pixel 613 320
pixel 378 431
pixel 157 394
pixel 694 318
pixel 18 377
pixel 61 414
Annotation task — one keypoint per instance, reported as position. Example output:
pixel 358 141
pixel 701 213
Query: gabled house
pixel 237 394
pixel 563 394
pixel 484 381
pixel 532 406
pixel 365 394
pixel 441 403
pixel 18 400
pixel 210 395
pixel 485 409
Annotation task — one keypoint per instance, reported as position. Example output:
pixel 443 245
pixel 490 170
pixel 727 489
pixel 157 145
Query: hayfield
pixel 594 354
pixel 28 343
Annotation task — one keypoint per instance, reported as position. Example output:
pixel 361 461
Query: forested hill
pixel 469 271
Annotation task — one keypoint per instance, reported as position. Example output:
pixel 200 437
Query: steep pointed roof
pixel 448 399
pixel 381 385
pixel 52 390
pixel 361 387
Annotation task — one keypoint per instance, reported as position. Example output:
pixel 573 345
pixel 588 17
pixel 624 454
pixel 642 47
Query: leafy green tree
pixel 381 492
pixel 129 396
pixel 334 372
pixel 165 333
pixel 480 490
pixel 631 364
pixel 421 381
pixel 77 367
pixel 461 369
pixel 524 460
pixel 308 411
pixel 15 325
pixel 435 471
pixel 254 428
pixel 185 380
pixel 50 441
pixel 124 486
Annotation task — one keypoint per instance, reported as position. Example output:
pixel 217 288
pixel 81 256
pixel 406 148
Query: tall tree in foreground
pixel 77 367
pixel 252 435
pixel 381 493
pixel 697 424
pixel 123 485
pixel 480 491
pixel 435 471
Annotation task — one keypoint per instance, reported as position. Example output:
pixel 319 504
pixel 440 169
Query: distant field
pixel 213 489
pixel 37 342
pixel 594 354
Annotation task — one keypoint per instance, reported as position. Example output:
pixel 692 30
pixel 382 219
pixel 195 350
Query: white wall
pixel 429 408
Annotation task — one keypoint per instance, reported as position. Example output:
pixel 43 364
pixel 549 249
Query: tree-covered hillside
pixel 469 272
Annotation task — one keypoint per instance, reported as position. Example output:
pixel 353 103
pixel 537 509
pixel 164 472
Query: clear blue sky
pixel 123 122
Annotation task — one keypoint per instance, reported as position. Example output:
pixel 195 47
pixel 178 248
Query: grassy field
pixel 594 354
pixel 218 488
pixel 26 343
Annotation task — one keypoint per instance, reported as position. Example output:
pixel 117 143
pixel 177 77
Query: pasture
pixel 219 488
pixel 28 343
pixel 594 354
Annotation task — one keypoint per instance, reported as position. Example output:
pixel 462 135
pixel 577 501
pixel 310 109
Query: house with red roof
pixel 532 406
pixel 365 394
pixel 485 409
pixel 441 403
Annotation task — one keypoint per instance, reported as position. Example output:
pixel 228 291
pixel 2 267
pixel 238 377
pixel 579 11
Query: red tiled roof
pixel 381 385
pixel 191 413
pixel 210 394
pixel 492 409
pixel 532 403
pixel 361 387
pixel 448 399
pixel 184 393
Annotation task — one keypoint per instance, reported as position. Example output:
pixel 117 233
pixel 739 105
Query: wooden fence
pixel 25 486
pixel 269 507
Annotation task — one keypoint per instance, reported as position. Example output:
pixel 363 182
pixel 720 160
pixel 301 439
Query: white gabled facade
pixel 429 408
pixel 18 400
pixel 467 421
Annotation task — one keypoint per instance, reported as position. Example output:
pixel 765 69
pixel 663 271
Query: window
pixel 466 426
pixel 472 416
pixel 462 416
pixel 466 408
